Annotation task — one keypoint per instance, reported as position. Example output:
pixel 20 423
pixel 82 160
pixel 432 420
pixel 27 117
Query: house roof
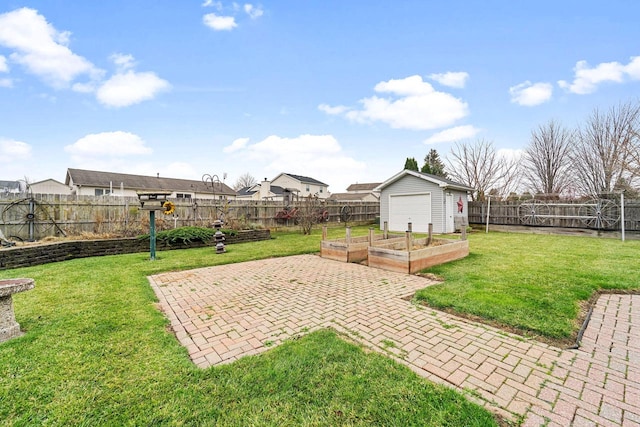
pixel 10 185
pixel 47 180
pixel 140 182
pixel 305 179
pixel 365 186
pixel 247 191
pixel 440 181
pixel 349 197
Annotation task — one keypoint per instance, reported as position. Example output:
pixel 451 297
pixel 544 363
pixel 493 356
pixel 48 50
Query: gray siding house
pixel 420 198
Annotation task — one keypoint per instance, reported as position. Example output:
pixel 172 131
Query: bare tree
pixel 244 180
pixel 480 166
pixel 547 159
pixel 606 155
pixel 310 212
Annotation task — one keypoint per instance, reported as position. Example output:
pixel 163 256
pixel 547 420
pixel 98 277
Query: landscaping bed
pixel 395 256
pixel 354 249
pixel 36 254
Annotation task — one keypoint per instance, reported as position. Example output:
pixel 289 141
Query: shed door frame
pixel 448 215
pixel 411 209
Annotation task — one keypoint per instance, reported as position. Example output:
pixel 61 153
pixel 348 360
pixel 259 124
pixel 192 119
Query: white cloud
pixel 412 104
pixel 633 68
pixel 44 52
pixel 108 144
pixel 129 88
pixel 219 23
pixel 42 49
pixel 123 62
pixel 405 87
pixel 253 11
pixel 236 145
pixel 11 151
pixel 456 79
pixel 587 79
pixel 88 87
pixel 529 94
pixel 332 110
pixel 4 68
pixel 317 156
pixel 453 134
pixel 211 3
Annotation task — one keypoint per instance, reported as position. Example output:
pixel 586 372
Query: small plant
pixel 388 344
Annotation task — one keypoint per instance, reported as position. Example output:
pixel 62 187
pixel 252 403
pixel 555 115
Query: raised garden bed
pixel 353 249
pixel 394 256
pixel 390 252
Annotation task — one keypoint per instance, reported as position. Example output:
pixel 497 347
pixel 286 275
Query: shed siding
pixel 412 185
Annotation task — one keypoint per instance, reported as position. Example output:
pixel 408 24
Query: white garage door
pixel 413 208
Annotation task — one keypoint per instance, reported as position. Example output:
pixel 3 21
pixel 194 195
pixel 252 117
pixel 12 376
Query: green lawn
pixel 97 352
pixel 534 283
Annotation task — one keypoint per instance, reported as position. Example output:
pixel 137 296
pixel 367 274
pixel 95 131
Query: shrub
pixel 184 235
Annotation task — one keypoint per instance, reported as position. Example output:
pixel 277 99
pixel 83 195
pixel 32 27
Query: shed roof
pixel 444 183
pixel 141 182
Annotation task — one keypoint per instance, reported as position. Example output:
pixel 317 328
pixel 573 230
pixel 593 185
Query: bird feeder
pixel 218 237
pixel 153 202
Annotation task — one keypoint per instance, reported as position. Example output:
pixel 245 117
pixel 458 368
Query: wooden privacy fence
pixel 40 215
pixel 597 214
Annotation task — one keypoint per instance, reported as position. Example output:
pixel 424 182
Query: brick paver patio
pixel 223 313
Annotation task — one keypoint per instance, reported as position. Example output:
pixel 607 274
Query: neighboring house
pixel 10 187
pixel 358 193
pixel 49 186
pixel 95 183
pixel 420 198
pixel 266 191
pixel 285 188
pixel 303 186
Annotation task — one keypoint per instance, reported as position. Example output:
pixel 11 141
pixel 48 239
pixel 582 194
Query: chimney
pixel 265 189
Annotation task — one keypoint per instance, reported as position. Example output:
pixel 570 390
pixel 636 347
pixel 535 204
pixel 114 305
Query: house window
pixel 307 187
pixel 102 191
pixel 321 189
pixel 183 196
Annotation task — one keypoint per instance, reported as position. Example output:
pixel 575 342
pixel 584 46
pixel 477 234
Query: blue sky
pixel 342 91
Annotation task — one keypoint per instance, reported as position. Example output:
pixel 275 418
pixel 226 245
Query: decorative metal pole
pixel 152 235
pixel 153 202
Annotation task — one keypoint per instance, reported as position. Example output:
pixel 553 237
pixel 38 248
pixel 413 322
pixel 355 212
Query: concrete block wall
pixel 25 256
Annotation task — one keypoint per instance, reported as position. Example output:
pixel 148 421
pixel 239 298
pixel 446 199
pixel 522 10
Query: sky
pixel 341 91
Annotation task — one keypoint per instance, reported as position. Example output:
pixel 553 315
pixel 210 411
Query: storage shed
pixel 421 198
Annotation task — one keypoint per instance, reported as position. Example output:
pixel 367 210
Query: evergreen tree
pixel 411 164
pixel 433 165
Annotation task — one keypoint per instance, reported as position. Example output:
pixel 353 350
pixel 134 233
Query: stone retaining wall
pixel 26 256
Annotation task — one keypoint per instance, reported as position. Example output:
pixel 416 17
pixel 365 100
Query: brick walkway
pixel 223 313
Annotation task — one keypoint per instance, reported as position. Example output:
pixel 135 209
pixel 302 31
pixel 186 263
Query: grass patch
pixel 97 352
pixel 533 284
